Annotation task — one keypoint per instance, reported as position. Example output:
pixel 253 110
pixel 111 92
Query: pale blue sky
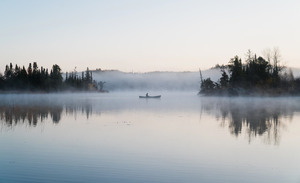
pixel 144 36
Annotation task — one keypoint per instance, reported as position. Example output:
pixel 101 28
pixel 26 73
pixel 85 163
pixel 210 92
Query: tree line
pixel 258 75
pixel 33 78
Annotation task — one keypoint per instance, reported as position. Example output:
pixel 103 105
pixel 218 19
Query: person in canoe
pixel 148 96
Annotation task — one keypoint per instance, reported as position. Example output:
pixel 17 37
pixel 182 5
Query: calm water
pixel 120 138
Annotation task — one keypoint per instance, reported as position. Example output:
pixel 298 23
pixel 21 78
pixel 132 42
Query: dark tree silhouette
pixel 256 76
pixel 56 77
pixel 207 86
pixel 224 80
pixel 38 79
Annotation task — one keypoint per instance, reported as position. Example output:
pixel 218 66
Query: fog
pixel 158 81
pixel 112 101
pixel 167 81
pixel 174 101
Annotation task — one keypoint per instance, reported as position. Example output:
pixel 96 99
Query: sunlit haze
pixel 143 36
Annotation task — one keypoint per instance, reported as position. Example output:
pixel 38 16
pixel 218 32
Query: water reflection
pixel 84 109
pixel 32 115
pixel 13 115
pixel 253 116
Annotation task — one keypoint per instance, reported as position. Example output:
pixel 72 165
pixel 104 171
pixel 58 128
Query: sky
pixel 142 36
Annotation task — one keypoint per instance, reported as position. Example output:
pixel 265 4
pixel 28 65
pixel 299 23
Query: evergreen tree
pixel 236 71
pixel 56 77
pixel 224 80
pixel 207 86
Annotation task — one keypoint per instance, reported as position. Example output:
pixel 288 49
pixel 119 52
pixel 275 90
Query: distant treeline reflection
pixel 13 115
pixel 253 117
pixel 32 115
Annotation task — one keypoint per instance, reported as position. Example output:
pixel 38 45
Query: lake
pixel 117 137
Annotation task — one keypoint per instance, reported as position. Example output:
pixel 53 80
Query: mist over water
pixel 117 137
pixel 167 81
pixel 161 81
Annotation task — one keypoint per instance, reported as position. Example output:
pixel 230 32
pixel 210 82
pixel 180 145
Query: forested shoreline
pixel 35 79
pixel 257 76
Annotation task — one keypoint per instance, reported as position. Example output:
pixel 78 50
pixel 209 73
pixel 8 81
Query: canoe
pixel 157 96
